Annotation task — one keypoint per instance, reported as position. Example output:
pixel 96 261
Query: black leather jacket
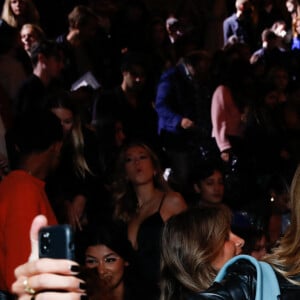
pixel 240 284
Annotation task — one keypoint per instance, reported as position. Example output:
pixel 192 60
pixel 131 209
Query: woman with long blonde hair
pixel 16 13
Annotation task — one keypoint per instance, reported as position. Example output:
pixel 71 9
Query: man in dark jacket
pixel 183 108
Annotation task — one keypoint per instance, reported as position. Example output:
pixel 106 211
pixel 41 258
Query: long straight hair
pixel 190 242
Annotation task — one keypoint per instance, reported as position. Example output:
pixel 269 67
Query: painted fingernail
pixel 75 268
pixel 82 285
pixel 83 297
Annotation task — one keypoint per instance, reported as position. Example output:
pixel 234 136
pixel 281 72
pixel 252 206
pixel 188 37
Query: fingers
pixel 37 223
pixel 47 265
pixel 49 282
pixel 54 296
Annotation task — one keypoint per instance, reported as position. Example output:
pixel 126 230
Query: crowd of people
pixel 167 158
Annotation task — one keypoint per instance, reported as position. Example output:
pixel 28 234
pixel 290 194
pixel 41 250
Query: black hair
pixel 36 133
pixel 204 170
pixel 131 59
pixel 114 236
pixel 194 57
pixel 48 48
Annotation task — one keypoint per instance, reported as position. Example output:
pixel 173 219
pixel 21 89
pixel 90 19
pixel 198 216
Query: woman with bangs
pixel 195 245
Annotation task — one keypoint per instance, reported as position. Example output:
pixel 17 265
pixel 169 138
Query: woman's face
pixel 212 188
pixel 18 7
pixel 232 247
pixel 109 264
pixel 138 165
pixel 28 37
pixel 66 118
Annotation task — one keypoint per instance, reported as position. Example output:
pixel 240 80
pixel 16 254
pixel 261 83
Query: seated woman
pixel 144 202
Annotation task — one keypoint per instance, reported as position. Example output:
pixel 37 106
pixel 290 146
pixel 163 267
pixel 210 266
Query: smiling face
pixel 28 37
pixel 211 188
pixel 138 165
pixel 109 264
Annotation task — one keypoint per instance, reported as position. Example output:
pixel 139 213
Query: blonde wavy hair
pixel 32 14
pixel 286 257
pixel 122 190
pixel 190 242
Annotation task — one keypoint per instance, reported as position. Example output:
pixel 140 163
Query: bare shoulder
pixel 173 204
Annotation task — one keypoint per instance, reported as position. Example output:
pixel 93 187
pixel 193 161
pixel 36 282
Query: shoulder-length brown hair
pixel 190 242
pixel 122 189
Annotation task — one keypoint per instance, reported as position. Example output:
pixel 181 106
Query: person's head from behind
pixel 195 245
pixel 39 135
pixel 84 21
pixel 110 254
pixel 31 34
pixel 133 69
pixel 208 182
pixel 48 56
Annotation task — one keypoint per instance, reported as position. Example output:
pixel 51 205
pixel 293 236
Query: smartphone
pixel 57 242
